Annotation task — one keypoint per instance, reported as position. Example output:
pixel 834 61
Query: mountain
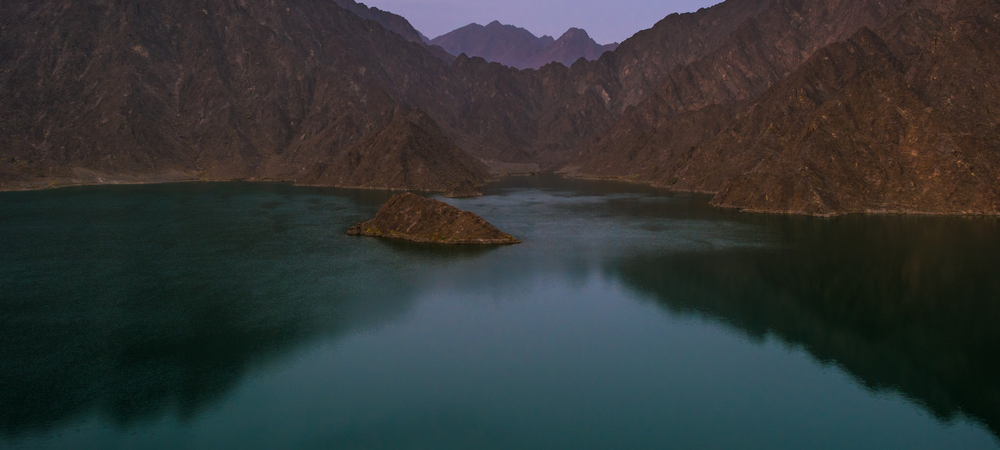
pixel 130 91
pixel 411 152
pixel 142 91
pixel 517 47
pixel 547 116
pixel 898 119
pixel 879 130
pixel 395 23
pixel 803 106
pixel 392 22
pixel 571 46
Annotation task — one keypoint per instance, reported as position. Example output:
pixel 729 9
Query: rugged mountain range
pixel 392 22
pixel 395 23
pixel 805 106
pixel 158 90
pixel 902 119
pixel 517 47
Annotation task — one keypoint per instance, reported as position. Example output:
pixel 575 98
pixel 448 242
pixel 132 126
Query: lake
pixel 239 315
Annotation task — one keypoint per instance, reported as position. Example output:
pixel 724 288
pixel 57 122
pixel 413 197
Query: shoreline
pixel 880 212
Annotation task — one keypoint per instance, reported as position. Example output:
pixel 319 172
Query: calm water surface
pixel 239 315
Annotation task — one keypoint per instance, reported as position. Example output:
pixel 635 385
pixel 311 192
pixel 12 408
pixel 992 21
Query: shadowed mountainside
pixel 158 91
pixel 516 47
pixel 803 106
pixel 395 23
pixel 901 119
pixel 388 20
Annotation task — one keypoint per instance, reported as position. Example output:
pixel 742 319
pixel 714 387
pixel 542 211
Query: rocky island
pixel 414 218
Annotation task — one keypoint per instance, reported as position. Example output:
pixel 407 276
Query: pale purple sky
pixel 606 21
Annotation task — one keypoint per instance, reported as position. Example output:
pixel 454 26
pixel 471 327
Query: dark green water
pixel 239 316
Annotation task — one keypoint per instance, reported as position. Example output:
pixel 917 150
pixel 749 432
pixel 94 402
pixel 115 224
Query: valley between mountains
pixel 820 107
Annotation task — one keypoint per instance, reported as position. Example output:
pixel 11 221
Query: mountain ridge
pixel 747 173
pixel 131 92
pixel 395 23
pixel 517 47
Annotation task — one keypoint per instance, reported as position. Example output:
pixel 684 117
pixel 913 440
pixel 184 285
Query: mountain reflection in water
pixel 142 302
pixel 902 303
pixel 138 301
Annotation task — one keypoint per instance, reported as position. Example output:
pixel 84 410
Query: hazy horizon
pixel 605 23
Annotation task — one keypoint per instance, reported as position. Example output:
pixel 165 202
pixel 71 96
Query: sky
pixel 606 21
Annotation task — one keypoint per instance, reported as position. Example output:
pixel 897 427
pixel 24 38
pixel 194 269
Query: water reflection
pixel 903 303
pixel 138 302
pixel 143 302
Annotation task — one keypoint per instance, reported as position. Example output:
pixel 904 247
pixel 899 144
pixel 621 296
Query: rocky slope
pixel 410 153
pixel 158 91
pixel 726 100
pixel 414 218
pixel 547 116
pixel 516 47
pixel 857 127
pixel 877 132
pixel 392 22
pixel 395 23
pixel 761 51
pixel 464 189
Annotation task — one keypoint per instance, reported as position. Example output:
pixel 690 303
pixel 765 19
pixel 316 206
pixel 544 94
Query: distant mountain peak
pixel 517 47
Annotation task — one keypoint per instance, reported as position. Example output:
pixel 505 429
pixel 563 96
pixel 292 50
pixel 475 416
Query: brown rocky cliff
pixel 295 89
pixel 648 141
pixel 783 107
pixel 392 22
pixel 409 153
pixel 158 90
pixel 464 189
pixel 921 137
pixel 855 128
pixel 414 218
pixel 546 116
pixel 395 23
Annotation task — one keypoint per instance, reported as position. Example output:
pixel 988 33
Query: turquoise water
pixel 238 315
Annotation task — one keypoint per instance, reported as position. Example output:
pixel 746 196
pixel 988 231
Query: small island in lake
pixel 414 218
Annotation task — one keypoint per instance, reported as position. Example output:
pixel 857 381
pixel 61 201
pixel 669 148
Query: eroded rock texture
pixel 899 117
pixel 464 189
pixel 162 90
pixel 413 218
pixel 803 106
